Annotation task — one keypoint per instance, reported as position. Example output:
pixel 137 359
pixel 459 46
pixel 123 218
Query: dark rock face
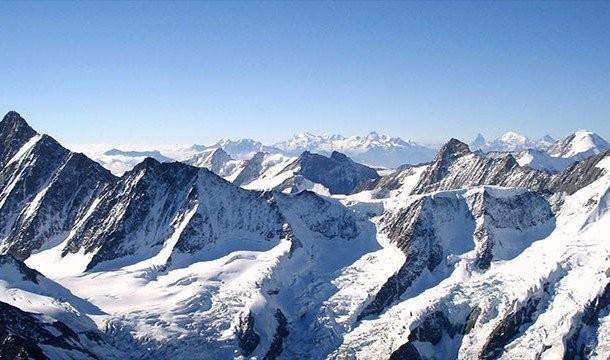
pixel 22 333
pixel 337 222
pixel 577 176
pixel 281 332
pixel 582 339
pixel 414 230
pixel 247 336
pixel 511 325
pixel 44 188
pixel 338 173
pixel 432 329
pixel 14 133
pixel 456 167
pixel 222 208
pixel 143 202
pixel 472 320
pixel 406 351
pixel 518 212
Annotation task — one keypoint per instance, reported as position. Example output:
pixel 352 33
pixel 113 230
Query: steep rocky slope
pixel 44 188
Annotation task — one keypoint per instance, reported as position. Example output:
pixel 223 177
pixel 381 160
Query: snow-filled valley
pixel 241 251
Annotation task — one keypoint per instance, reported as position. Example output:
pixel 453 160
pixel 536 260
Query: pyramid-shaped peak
pixel 221 153
pixel 453 148
pixel 478 142
pixel 12 120
pixel 480 137
pixel 13 116
pixel 14 133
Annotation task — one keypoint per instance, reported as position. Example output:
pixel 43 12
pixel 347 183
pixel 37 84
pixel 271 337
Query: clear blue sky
pixel 117 72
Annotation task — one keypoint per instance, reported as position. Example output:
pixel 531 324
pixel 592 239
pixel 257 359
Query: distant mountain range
pixel 510 141
pixel 374 150
pixel 545 153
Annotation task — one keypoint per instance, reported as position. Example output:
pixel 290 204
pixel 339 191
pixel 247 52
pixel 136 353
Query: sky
pixel 194 72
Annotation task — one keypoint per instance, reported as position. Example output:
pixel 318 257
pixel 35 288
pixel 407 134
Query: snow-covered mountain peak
pixel 337 173
pixel 581 144
pixel 374 136
pixel 208 157
pixel 196 148
pixel 509 142
pixel 302 141
pixel 219 162
pixel 585 140
pixel 165 171
pixel 372 149
pixel 243 148
pixel 146 164
pixel 220 153
pixel 478 141
pixel 546 141
pixel 582 132
pixel 513 137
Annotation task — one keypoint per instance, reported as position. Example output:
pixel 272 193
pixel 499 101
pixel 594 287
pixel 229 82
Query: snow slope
pixel 45 320
pixel 580 145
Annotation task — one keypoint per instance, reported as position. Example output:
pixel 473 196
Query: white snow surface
pixel 581 144
pixel 540 160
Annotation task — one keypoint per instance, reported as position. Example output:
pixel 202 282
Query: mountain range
pixel 470 254
pixel 374 150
